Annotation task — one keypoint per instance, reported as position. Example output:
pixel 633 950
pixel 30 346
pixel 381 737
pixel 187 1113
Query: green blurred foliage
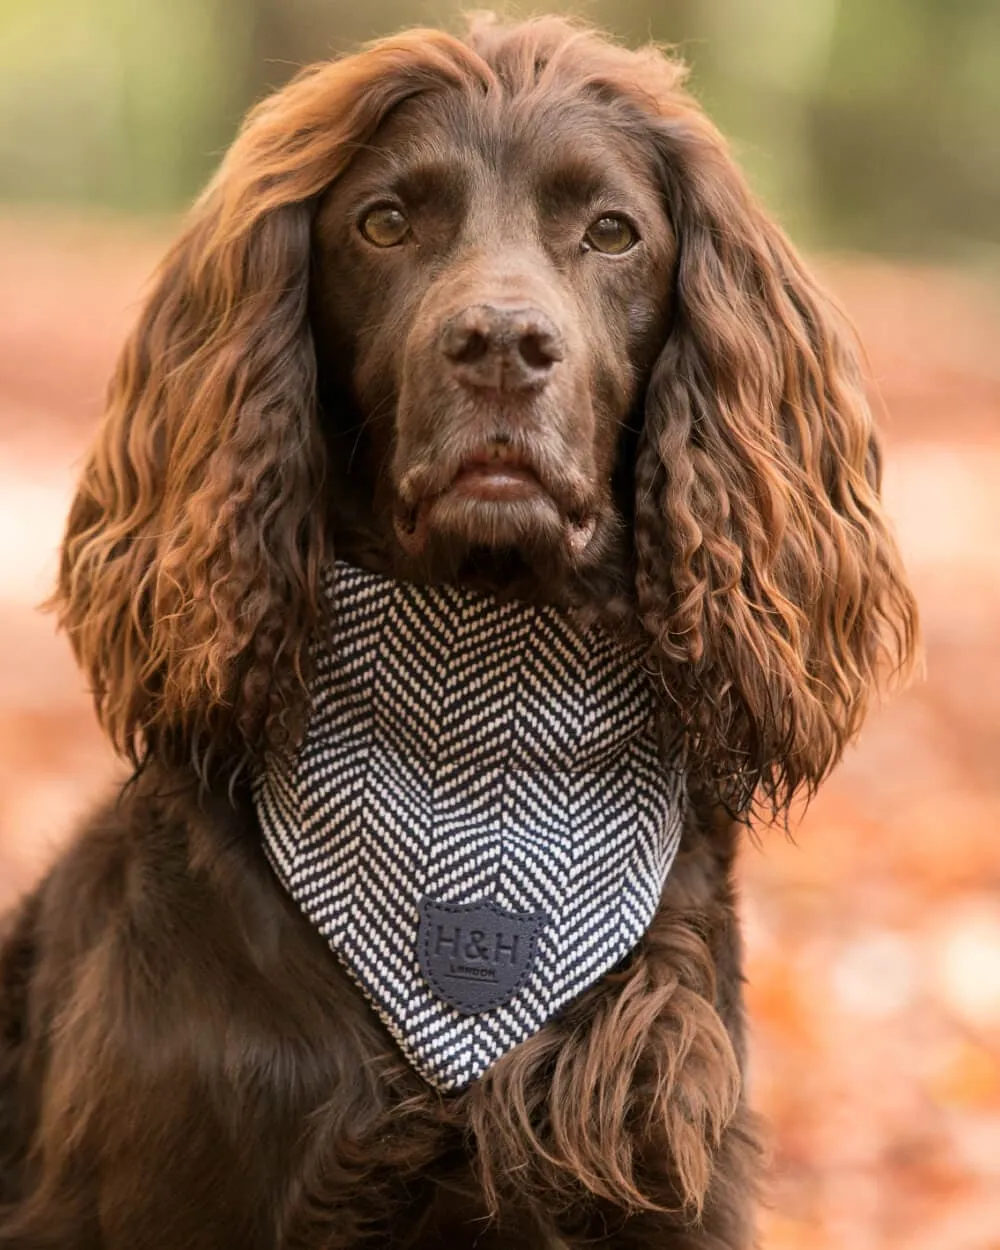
pixel 871 124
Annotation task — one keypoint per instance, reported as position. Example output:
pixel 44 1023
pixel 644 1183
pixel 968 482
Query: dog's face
pixel 490 288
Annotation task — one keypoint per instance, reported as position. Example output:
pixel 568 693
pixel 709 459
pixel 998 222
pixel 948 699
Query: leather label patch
pixel 476 956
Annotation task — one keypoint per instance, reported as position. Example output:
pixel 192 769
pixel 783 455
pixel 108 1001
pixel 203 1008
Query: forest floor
pixel 873 932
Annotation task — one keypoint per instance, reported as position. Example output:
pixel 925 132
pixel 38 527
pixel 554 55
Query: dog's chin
pixel 507 518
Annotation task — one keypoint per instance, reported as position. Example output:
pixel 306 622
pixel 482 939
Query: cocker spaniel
pixel 493 318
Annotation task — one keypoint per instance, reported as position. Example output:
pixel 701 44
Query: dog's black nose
pixel 500 348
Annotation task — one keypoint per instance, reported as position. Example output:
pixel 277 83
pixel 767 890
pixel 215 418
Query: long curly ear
pixel 189 572
pixel 767 577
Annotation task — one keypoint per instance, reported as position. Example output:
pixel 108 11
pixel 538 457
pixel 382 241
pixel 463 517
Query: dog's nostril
pixel 537 351
pixel 469 348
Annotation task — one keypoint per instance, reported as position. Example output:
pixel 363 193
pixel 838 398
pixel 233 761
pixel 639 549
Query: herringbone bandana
pixel 480 818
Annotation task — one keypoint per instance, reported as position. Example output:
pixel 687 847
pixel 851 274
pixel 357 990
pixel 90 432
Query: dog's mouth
pixel 496 497
pixel 498 474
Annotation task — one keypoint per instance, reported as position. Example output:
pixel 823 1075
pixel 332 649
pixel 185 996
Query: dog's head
pixel 491 287
pixel 498 310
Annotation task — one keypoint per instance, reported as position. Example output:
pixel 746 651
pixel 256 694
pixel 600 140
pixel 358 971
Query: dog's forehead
pixel 569 139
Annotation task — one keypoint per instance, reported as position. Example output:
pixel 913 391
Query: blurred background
pixel 872 130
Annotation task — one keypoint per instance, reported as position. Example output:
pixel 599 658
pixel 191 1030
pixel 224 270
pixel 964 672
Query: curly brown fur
pixel 688 454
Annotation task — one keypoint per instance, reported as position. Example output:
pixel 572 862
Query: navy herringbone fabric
pixel 466 751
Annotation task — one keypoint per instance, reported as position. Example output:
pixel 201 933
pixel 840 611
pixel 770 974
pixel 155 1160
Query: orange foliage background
pixel 873 934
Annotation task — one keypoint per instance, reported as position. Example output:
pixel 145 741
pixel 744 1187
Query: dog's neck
pixel 598 595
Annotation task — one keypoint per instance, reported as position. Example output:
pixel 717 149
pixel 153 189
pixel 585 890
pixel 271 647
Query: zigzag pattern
pixel 466 750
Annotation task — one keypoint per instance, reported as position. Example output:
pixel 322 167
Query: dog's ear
pixel 190 566
pixel 768 579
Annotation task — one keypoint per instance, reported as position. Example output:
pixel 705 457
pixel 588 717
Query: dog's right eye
pixel 611 235
pixel 385 226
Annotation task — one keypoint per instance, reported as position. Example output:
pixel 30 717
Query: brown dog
pixel 498 312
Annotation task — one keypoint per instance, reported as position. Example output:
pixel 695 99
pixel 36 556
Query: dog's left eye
pixel 385 226
pixel 611 235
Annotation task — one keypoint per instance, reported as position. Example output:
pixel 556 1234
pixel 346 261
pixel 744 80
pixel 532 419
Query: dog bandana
pixel 481 815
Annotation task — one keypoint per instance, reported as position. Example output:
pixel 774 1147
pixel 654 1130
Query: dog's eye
pixel 385 226
pixel 611 235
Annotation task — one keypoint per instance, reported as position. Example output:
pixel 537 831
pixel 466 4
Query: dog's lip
pixel 497 474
